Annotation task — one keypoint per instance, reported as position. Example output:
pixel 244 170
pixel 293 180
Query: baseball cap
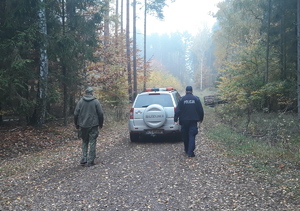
pixel 89 90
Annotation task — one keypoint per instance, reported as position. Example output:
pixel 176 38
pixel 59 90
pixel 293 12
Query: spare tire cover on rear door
pixel 154 116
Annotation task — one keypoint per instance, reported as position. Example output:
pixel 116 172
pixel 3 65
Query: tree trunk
pixel 134 51
pixel 298 48
pixel 64 69
pixel 43 80
pixel 145 46
pixel 283 43
pixel 122 7
pixel 106 23
pixel 201 72
pixel 1 116
pixel 268 44
pixel 117 19
pixel 66 96
pixel 128 53
pixel 266 76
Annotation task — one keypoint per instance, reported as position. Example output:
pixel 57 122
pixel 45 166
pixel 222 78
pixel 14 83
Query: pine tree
pixel 19 47
pixel 73 44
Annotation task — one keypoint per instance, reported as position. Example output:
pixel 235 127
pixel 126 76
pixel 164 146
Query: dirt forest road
pixel 138 176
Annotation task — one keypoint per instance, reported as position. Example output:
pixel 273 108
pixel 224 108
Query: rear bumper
pixel 166 129
pixel 165 133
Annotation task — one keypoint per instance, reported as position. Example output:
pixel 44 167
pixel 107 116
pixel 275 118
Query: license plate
pixel 152 132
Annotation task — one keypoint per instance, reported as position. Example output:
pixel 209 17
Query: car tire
pixel 134 137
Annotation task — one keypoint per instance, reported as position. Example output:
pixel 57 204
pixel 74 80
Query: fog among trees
pixel 51 50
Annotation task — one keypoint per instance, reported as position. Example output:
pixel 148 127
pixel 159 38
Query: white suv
pixel 152 114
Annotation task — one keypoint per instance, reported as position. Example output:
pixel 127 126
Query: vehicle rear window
pixel 164 100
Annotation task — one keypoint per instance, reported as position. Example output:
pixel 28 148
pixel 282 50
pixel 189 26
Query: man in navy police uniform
pixel 189 111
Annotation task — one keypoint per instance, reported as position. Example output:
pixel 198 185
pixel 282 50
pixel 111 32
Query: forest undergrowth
pixel 268 145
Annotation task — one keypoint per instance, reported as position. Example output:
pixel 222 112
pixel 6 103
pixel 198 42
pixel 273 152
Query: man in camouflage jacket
pixel 88 116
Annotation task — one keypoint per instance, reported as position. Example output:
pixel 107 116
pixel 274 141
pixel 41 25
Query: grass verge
pixel 277 163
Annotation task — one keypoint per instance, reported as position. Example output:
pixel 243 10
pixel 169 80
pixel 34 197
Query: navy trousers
pixel 189 130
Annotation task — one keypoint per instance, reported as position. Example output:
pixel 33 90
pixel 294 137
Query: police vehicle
pixel 152 114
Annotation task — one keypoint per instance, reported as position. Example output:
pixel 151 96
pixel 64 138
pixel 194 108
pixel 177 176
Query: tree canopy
pixel 256 53
pixel 70 41
pixel 250 54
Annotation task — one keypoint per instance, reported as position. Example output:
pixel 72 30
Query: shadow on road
pixel 157 140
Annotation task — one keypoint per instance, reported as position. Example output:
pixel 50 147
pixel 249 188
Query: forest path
pixel 149 175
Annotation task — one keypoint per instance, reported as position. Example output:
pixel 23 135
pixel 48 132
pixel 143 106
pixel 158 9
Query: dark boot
pixel 89 164
pixel 83 161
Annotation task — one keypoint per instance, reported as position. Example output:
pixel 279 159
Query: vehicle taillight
pixel 131 113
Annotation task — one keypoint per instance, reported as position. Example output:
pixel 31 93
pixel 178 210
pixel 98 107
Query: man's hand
pixel 77 127
pixel 176 123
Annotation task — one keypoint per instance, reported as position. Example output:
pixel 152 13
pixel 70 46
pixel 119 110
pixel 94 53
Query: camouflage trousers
pixel 89 138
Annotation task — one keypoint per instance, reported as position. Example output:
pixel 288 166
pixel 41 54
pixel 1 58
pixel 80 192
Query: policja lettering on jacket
pixel 189 102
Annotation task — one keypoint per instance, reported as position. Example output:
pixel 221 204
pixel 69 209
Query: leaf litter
pixel 40 171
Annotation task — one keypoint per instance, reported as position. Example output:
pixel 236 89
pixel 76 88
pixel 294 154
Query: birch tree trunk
pixel 64 68
pixel 122 14
pixel 134 51
pixel 128 51
pixel 145 42
pixel 43 79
